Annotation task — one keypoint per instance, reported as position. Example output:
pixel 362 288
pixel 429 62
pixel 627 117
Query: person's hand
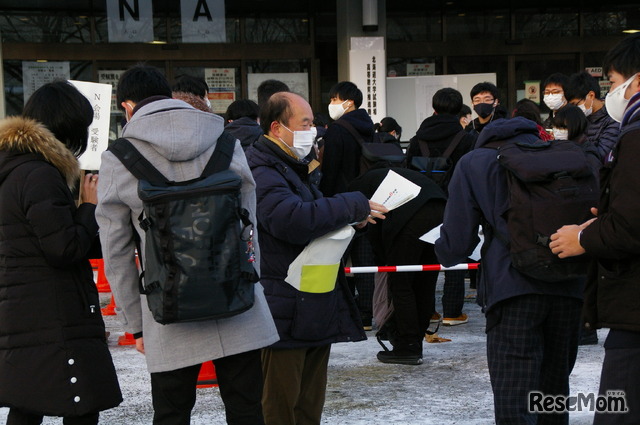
pixel 90 189
pixel 140 344
pixel 566 241
pixel 594 211
pixel 377 211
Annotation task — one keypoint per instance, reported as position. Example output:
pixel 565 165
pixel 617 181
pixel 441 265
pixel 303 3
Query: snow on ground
pixel 451 387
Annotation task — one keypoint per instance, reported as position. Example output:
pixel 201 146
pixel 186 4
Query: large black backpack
pixel 388 154
pixel 437 168
pixel 197 264
pixel 551 184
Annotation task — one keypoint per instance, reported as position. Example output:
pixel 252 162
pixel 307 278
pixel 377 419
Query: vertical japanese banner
pixel 532 91
pixel 130 21
pixel 368 70
pixel 203 21
pixel 37 74
pixel 222 88
pixel 111 77
pixel 99 95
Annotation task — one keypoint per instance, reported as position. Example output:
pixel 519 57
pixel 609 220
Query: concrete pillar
pixel 349 24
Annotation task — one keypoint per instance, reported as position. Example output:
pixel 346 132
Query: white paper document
pixel 395 190
pixel 432 235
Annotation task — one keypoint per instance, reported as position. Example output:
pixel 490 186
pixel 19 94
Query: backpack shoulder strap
pixel 424 148
pixel 138 165
pixel 222 155
pixel 454 143
pixel 351 130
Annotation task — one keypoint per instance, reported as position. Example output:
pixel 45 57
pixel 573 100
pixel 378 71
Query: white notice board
pixel 409 98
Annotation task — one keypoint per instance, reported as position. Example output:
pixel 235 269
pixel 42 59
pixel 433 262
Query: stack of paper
pixel 395 190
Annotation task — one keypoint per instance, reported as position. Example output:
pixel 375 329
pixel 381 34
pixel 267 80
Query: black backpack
pixel 389 154
pixel 197 264
pixel 438 168
pixel 550 184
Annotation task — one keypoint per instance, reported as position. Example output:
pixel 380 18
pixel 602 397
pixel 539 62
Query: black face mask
pixel 484 109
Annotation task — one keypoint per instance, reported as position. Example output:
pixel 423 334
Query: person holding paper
pixel 55 359
pixel 292 213
pixel 396 241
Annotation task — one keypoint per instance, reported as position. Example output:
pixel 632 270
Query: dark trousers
pixel 19 417
pixel 295 384
pixel 362 284
pixel 240 382
pixel 413 293
pixel 621 371
pixel 532 343
pixel 453 293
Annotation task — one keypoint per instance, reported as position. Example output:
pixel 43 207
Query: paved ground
pixel 451 387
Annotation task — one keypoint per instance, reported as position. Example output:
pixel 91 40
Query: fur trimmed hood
pixel 24 135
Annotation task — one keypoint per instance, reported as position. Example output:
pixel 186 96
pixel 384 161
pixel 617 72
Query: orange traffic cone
pixel 207 377
pixel 127 339
pixel 110 309
pixel 100 278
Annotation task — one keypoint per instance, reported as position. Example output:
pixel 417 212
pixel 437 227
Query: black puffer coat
pixel 54 359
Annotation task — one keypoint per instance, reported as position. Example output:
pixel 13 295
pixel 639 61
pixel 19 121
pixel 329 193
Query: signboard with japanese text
pixel 222 87
pixel 99 95
pixel 203 21
pixel 37 74
pixel 368 70
pixel 421 69
pixel 130 21
pixel 111 77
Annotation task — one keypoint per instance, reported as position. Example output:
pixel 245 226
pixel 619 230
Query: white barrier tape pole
pixel 411 268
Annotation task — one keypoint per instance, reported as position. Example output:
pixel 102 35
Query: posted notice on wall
pixel 368 71
pixel 222 88
pixel 99 95
pixel 37 74
pixel 111 77
pixel 298 83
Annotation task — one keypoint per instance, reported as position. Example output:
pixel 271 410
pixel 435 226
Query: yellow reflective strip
pixel 318 279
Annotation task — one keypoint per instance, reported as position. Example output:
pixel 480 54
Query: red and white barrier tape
pixel 412 268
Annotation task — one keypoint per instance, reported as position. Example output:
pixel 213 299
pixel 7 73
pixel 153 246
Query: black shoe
pixel 588 337
pixel 397 358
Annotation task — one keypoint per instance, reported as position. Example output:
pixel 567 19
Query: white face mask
pixel 206 100
pixel 561 134
pixel 587 111
pixel 615 101
pixel 302 141
pixel 554 101
pixel 336 110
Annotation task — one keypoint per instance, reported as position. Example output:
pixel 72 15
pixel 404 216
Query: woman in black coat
pixel 54 359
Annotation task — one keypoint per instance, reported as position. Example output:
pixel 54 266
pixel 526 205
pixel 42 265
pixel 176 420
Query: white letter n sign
pixel 130 21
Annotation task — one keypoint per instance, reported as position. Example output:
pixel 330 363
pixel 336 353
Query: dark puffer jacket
pixel 342 152
pixel 54 359
pixel 246 130
pixel 291 212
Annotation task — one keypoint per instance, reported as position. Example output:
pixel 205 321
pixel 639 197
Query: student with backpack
pixel 435 150
pixel 179 141
pixel 532 302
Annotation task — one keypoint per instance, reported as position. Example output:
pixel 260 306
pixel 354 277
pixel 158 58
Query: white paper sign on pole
pixel 37 74
pixel 99 95
pixel 368 71
pixel 298 82
pixel 130 21
pixel 111 77
pixel 222 88
pixel 203 21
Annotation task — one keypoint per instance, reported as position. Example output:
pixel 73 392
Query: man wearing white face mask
pixel 291 212
pixel 553 90
pixel 342 152
pixel 583 90
pixel 612 239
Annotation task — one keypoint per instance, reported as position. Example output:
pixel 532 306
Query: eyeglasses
pixel 478 100
pixel 556 91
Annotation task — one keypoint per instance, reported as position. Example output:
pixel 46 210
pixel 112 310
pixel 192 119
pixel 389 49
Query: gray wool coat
pixel 178 140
